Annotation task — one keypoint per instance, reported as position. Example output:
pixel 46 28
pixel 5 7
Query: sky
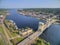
pixel 29 3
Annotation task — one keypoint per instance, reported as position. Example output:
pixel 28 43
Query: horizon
pixel 29 8
pixel 30 4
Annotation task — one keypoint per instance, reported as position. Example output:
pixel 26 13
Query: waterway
pixel 52 34
pixel 23 21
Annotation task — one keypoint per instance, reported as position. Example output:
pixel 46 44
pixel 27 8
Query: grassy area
pixel 3 11
pixel 14 34
pixel 16 40
pixel 1 41
pixel 10 29
pixel 1 29
pixel 4 36
pixel 19 39
pixel 41 42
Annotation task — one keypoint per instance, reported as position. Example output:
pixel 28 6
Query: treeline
pixel 3 11
pixel 55 11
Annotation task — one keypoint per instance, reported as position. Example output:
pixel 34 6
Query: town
pixel 10 34
pixel 29 22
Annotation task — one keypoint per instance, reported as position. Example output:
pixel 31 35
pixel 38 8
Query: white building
pixel 40 24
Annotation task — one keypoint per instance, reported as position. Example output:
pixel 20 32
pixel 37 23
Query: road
pixel 4 40
pixel 6 34
pixel 29 39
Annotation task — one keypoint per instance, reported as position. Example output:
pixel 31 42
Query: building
pixel 1 19
pixel 11 24
pixel 41 23
pixel 25 32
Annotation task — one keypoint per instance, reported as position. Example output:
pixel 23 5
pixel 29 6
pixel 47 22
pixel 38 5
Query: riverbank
pixel 57 22
pixel 34 14
pixel 52 34
pixel 40 41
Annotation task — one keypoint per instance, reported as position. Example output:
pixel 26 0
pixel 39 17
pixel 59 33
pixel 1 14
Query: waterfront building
pixel 11 24
pixel 40 24
pixel 25 32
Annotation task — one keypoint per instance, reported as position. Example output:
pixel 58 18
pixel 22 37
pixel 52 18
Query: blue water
pixel 23 21
pixel 52 34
